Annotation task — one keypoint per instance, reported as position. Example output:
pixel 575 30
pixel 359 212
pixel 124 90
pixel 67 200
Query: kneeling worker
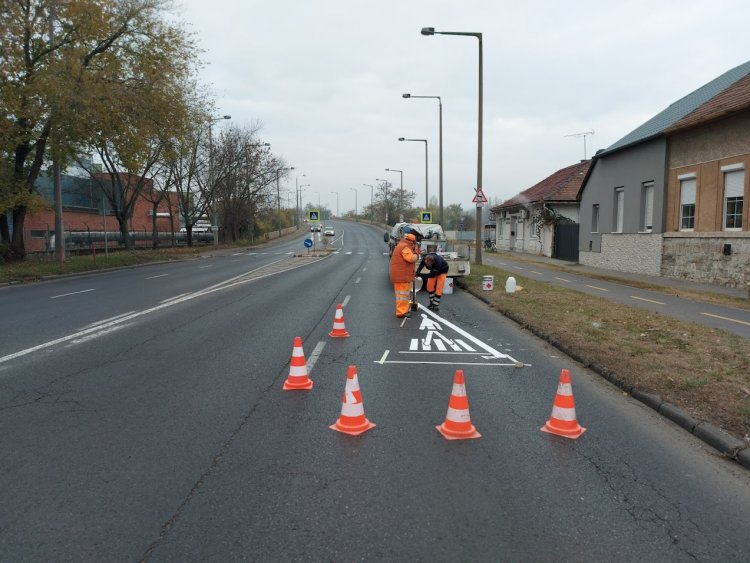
pixel 404 257
pixel 438 269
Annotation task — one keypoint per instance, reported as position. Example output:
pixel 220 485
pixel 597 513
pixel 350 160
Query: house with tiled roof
pixel 667 198
pixel 543 219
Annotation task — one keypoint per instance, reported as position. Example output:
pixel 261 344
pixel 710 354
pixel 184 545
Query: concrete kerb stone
pixel 743 456
pixel 719 439
pixel 679 416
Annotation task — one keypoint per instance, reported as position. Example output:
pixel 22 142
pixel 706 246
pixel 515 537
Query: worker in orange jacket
pixel 404 256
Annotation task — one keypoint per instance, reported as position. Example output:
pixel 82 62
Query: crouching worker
pixel 437 270
pixel 404 257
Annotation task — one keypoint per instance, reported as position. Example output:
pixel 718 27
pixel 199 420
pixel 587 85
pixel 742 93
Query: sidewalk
pixel 492 259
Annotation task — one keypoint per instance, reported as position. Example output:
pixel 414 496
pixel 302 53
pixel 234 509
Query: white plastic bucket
pixel 510 285
pixel 488 283
pixel 448 286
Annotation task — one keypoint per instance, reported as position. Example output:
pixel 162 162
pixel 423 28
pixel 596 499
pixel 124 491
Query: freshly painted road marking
pixel 72 293
pixel 381 361
pixel 97 323
pixel 646 300
pixel 312 358
pixel 726 318
pixel 159 276
pixel 563 279
pixel 594 287
pixel 345 302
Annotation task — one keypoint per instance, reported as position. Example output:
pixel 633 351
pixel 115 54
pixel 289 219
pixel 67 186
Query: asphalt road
pixel 730 319
pixel 142 419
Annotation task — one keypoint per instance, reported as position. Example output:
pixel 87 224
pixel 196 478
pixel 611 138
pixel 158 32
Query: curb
pixel 712 435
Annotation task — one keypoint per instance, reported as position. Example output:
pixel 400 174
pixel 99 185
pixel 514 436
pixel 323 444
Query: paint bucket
pixel 488 283
pixel 510 285
pixel 448 286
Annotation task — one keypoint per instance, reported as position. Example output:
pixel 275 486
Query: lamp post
pixel 426 188
pixel 431 31
pixel 278 195
pixel 385 186
pixel 211 120
pixel 301 189
pixel 401 193
pixel 296 193
pixel 440 142
pixel 371 190
pixel 337 203
pixel 356 216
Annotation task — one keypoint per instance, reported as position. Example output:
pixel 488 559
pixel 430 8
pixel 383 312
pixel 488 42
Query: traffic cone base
pixel 352 420
pixel 339 328
pixel 457 425
pixel 297 379
pixel 562 421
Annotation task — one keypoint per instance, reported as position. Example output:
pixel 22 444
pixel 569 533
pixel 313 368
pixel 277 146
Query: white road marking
pixel 345 302
pixel 537 273
pixel 364 269
pixel 726 318
pixel 314 356
pixel 594 287
pixel 646 300
pixel 72 293
pixel 358 280
pixel 206 266
pixel 168 299
pixel 381 361
pixel 159 276
pixel 97 323
pixel 563 279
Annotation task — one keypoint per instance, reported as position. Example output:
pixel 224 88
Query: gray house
pixel 623 213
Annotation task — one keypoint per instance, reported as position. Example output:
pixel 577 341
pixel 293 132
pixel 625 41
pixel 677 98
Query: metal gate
pixel 566 242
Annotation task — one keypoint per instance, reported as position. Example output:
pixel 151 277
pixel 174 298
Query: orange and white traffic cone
pixel 297 369
pixel 352 420
pixel 457 425
pixel 563 421
pixel 339 329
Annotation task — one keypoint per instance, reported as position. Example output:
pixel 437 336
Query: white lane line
pixel 206 266
pixel 563 279
pixel 595 287
pixel 358 280
pixel 95 335
pixel 72 293
pixel 312 358
pixel 251 254
pixel 381 361
pixel 345 302
pixel 364 269
pixel 168 299
pixel 159 276
pixel 97 323
pixel 646 300
pixel 537 273
pixel 726 318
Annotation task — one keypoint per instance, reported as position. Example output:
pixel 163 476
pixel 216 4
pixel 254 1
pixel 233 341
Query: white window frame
pixel 647 191
pixel 734 188
pixel 688 197
pixel 619 210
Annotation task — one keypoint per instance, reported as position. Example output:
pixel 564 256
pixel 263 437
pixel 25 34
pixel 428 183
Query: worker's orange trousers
pixel 403 292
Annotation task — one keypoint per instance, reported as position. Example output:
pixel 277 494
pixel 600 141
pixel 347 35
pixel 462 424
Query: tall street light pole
pixel 356 215
pixel 401 193
pixel 431 31
pixel 301 189
pixel 296 192
pixel 440 142
pixel 337 203
pixel 211 121
pixel 371 190
pixel 385 186
pixel 278 195
pixel 426 183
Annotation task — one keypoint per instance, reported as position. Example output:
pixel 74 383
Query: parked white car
pixel 329 232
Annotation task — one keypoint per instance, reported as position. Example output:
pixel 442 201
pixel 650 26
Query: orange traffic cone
pixel 352 420
pixel 563 421
pixel 339 329
pixel 297 369
pixel 457 425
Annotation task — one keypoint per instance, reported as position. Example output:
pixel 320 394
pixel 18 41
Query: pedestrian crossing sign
pixel 425 217
pixel 313 215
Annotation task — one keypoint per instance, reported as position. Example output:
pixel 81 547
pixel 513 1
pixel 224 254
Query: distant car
pixel 329 232
pixel 315 228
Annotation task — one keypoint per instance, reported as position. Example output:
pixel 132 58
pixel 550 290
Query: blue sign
pixel 426 217
pixel 308 243
pixel 313 215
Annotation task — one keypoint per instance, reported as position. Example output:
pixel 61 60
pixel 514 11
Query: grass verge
pixel 704 371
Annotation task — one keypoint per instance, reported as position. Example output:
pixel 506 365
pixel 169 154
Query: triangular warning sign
pixel 479 197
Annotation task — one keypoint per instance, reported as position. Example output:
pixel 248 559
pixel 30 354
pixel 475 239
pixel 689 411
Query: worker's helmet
pixel 410 236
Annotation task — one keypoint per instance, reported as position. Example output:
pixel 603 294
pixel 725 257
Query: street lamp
pixel 278 195
pixel 431 31
pixel 426 189
pixel 296 192
pixel 356 216
pixel 440 157
pixel 337 203
pixel 371 190
pixel 401 193
pixel 385 186
pixel 211 171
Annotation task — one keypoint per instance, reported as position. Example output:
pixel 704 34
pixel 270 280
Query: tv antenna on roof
pixel 584 135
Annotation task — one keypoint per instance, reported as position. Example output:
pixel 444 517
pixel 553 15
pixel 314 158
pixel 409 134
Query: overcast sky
pixel 325 79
